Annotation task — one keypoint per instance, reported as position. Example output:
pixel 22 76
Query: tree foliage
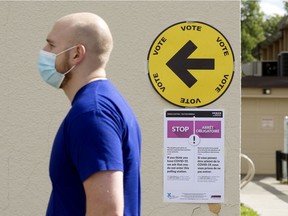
pixel 251 28
pixel 256 27
pixel 286 6
pixel 270 25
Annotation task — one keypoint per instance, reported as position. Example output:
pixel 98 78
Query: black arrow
pixel 180 64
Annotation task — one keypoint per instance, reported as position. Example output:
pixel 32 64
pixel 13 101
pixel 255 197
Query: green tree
pixel 251 28
pixel 286 6
pixel 270 25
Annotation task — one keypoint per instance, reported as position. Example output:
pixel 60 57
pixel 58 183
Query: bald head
pixel 89 30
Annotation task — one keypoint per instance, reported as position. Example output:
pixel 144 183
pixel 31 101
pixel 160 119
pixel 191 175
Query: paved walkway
pixel 266 195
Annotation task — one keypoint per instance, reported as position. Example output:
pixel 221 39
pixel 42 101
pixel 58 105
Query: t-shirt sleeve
pixel 95 143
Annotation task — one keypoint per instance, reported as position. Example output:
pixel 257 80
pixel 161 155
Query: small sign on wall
pixel 267 123
pixel 194 156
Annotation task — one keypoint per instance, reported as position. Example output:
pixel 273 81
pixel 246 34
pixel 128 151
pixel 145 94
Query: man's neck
pixel 76 83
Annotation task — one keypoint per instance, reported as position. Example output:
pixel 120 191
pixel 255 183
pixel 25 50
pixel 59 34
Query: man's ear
pixel 79 54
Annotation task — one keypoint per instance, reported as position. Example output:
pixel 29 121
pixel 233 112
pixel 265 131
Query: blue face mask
pixel 46 67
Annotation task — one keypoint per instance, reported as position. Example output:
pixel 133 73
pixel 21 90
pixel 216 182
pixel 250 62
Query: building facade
pixel 265 102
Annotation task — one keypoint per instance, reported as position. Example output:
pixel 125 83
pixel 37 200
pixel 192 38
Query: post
pixel 279 174
pixel 285 148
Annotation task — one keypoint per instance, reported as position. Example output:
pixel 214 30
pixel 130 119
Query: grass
pixel 245 211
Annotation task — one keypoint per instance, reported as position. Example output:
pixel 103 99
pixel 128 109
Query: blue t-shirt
pixel 99 133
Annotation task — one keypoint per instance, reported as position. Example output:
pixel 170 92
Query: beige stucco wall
pixel 263 127
pixel 31 111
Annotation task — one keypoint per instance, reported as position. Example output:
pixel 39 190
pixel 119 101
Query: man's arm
pixel 104 194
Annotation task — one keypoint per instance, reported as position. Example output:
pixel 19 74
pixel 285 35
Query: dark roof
pixel 264 82
pixel 283 24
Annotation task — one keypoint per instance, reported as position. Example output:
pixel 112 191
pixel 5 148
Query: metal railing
pixel 250 172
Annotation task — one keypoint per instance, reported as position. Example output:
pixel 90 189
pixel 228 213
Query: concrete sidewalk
pixel 266 195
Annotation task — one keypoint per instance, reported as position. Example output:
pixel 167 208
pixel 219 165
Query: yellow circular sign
pixel 191 64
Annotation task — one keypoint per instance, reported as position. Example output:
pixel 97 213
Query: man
pixel 95 159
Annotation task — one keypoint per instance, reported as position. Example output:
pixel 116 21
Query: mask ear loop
pixel 69 70
pixel 66 50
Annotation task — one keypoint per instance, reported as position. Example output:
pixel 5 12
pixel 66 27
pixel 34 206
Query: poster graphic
pixel 194 156
pixel 190 64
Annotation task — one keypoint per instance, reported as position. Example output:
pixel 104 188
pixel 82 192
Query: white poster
pixel 194 156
